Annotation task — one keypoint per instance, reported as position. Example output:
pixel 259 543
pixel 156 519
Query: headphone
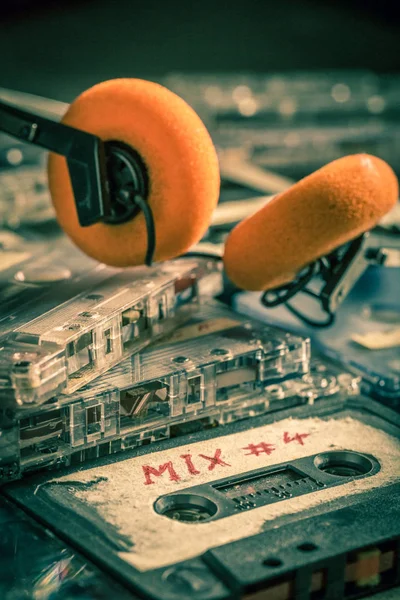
pixel 133 173
pixel 134 177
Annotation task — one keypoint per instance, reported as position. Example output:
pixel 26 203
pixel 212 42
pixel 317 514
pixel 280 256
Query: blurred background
pixel 60 48
pixel 283 86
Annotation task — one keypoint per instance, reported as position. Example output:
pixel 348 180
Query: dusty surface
pixel 125 498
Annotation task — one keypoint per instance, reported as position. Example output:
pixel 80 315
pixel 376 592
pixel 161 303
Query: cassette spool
pixel 65 319
pixel 216 369
pixel 283 506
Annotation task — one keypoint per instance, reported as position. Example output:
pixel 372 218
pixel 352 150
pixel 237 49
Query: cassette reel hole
pixel 343 464
pixel 186 508
pixel 273 562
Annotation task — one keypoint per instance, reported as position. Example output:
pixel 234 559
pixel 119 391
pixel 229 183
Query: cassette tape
pixel 65 319
pixel 365 336
pixel 298 504
pixel 217 368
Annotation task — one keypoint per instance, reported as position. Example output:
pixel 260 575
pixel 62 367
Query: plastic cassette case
pixel 301 503
pixel 64 319
pixel 218 368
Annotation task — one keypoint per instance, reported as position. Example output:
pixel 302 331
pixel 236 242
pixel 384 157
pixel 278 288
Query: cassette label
pixel 333 458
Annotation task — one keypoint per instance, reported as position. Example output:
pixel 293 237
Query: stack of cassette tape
pixel 163 436
pixel 273 130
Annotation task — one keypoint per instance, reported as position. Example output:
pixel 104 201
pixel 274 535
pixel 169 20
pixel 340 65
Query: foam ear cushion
pixel 181 162
pixel 318 214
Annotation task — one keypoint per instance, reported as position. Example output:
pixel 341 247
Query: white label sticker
pixel 126 495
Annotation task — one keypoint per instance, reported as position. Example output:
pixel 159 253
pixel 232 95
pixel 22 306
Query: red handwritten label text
pixel 298 437
pixel 261 448
pixel 149 471
pixel 194 467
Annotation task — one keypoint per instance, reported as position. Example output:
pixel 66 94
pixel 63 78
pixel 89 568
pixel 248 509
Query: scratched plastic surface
pixel 36 565
pixel 65 319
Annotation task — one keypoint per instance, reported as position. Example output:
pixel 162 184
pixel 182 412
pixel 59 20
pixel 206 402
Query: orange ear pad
pixel 180 159
pixel 319 213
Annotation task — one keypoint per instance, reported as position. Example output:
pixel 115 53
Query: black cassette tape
pixel 302 503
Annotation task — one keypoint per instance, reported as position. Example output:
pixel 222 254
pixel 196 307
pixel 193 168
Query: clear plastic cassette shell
pixel 324 380
pixel 66 320
pixel 217 368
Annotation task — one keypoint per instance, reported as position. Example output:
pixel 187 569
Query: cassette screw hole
pixel 307 547
pixel 272 562
pixel 219 352
pixel 180 359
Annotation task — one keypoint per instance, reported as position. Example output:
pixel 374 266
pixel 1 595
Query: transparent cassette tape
pixel 213 370
pixel 65 319
pixel 324 380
